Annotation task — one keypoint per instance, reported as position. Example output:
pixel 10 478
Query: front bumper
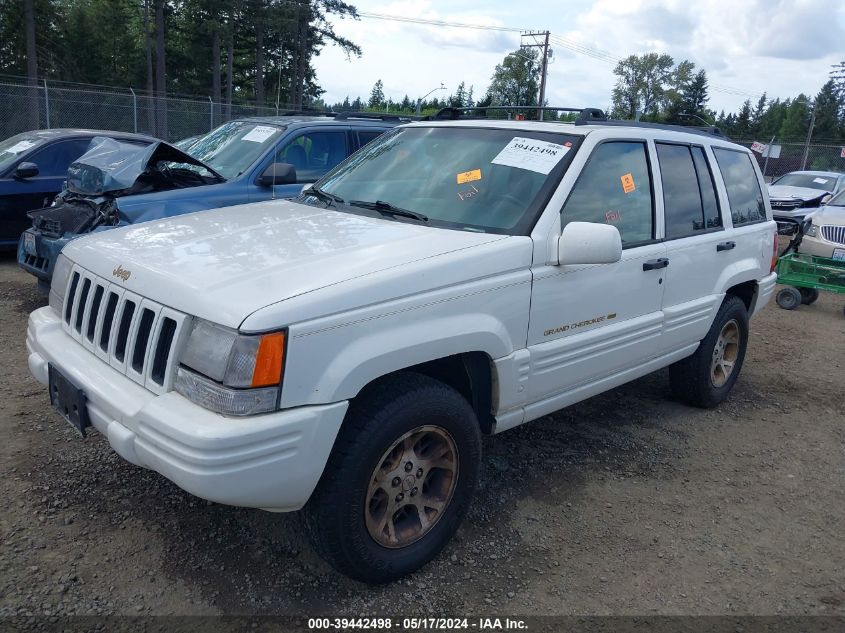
pixel 819 247
pixel 271 461
pixel 41 262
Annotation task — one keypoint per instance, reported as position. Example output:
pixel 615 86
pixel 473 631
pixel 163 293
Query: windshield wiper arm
pixel 325 196
pixel 385 208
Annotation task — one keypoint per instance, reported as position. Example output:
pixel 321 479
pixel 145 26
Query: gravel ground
pixel 628 503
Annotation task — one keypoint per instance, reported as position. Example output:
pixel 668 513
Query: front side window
pixel 744 193
pixel 479 179
pixel 689 198
pixel 615 188
pixel 366 136
pixel 54 159
pixel 314 153
pixel 15 148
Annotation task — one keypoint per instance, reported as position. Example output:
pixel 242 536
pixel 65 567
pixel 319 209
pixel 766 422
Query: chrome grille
pixel 138 337
pixel 786 205
pixel 833 233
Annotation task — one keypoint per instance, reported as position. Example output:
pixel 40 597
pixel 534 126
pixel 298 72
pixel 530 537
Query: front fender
pixel 354 367
pixel 334 363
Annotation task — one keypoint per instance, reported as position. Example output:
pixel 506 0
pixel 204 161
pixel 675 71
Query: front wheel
pixel 706 378
pixel 399 480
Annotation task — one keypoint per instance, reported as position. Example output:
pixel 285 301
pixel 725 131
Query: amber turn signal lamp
pixel 269 360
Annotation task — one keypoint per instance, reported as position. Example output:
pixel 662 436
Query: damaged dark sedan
pixel 242 161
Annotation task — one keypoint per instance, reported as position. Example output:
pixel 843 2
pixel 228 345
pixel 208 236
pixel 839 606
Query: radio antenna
pixel 273 186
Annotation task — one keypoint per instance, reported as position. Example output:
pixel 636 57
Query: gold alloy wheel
pixel 725 353
pixel 411 486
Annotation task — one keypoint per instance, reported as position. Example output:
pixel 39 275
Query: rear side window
pixel 744 193
pixel 710 203
pixel 689 198
pixel 615 188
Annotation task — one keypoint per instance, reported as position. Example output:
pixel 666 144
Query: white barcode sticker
pixel 259 134
pixel 528 153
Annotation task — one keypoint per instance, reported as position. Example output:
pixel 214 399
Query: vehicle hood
pixel 118 168
pixel 785 192
pixel 829 215
pixel 225 264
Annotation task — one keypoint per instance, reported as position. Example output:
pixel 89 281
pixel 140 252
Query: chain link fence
pixel 53 104
pixel 796 156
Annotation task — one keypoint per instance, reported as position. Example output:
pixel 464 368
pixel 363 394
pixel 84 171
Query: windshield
pixel 233 147
pixel 468 178
pixel 809 181
pixel 12 148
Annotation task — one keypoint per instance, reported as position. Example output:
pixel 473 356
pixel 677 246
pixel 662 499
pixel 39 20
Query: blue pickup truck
pixel 242 161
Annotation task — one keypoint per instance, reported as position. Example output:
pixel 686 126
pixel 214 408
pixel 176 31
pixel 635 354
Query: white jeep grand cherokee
pixel 343 353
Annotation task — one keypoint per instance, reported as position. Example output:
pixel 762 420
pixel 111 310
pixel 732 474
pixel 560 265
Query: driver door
pixel 595 324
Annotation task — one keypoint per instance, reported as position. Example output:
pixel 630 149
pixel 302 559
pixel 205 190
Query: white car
pixel 824 235
pixel 796 194
pixel 344 352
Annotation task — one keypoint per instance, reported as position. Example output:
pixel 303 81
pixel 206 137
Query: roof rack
pixel 710 130
pixel 342 116
pixel 300 113
pixel 585 115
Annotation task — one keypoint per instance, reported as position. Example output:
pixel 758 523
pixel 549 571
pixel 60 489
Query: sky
pixel 747 47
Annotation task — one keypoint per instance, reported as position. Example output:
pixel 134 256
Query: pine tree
pixel 377 95
pixel 828 107
pixel 757 115
pixel 742 125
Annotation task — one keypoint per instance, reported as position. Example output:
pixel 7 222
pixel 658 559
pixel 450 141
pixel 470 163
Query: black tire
pixel 808 295
pixel 378 417
pixel 788 298
pixel 692 378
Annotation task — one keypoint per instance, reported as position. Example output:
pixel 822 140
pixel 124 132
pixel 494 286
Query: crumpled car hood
pixel 785 192
pixel 115 167
pixel 829 214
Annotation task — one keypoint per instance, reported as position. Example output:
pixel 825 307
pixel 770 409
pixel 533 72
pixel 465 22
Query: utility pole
pixel 544 64
pixel 809 136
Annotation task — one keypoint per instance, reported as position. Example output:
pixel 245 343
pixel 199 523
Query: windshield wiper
pixel 385 208
pixel 325 196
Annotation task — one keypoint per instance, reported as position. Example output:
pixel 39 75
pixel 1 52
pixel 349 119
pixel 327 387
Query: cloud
pixel 780 46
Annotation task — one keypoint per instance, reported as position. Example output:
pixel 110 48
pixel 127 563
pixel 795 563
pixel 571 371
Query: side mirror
pixel 26 170
pixel 278 174
pixel 589 243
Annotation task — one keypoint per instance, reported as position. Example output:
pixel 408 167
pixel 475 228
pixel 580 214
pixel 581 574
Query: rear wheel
pixel 706 378
pixel 808 295
pixel 788 298
pixel 399 481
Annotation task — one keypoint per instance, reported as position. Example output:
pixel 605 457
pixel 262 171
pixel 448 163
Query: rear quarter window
pixel 744 194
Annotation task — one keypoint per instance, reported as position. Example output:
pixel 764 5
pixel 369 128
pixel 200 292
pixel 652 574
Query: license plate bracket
pixel 69 400
pixel 29 244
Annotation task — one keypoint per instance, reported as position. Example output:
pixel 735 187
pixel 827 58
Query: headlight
pixel 58 285
pixel 233 373
pixel 811 230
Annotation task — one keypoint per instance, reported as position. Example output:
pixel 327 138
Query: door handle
pixel 654 264
pixel 725 246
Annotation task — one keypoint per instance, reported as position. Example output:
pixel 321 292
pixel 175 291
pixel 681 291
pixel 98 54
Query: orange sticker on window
pixel 627 183
pixel 469 176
